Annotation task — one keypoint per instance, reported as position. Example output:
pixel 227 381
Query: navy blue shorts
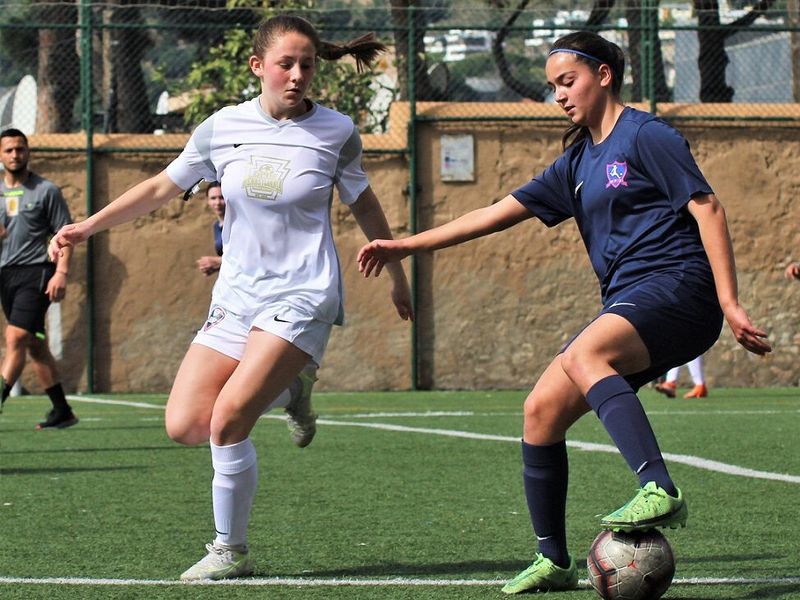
pixel 677 316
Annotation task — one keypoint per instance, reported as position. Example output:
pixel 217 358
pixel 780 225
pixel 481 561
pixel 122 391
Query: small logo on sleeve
pixel 616 172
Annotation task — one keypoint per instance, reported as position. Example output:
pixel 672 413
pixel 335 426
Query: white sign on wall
pixel 458 158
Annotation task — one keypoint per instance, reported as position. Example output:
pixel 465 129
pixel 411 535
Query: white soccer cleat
pixel 300 417
pixel 221 562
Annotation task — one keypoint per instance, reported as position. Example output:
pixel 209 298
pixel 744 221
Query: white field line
pixel 336 582
pixel 457 413
pixel 692 461
pixel 88 400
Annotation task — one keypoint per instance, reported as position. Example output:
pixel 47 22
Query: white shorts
pixel 227 332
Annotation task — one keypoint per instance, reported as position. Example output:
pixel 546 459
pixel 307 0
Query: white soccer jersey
pixel 277 178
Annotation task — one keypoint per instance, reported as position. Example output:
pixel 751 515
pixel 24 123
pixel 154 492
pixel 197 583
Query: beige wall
pixel 492 312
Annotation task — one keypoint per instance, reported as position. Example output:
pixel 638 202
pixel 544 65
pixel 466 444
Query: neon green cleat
pixel 544 576
pixel 300 417
pixel 221 562
pixel 651 507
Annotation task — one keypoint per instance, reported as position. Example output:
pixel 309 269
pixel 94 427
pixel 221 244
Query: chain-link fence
pixel 133 67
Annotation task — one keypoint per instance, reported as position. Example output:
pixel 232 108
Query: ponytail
pixel 364 49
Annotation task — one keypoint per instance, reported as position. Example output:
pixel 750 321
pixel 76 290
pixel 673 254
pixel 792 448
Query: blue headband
pixel 578 52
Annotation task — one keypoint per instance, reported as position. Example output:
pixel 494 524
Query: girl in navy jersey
pixel 278 158
pixel 658 241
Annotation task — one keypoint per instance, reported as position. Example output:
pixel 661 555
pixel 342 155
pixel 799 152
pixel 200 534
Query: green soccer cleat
pixel 221 562
pixel 544 576
pixel 300 417
pixel 651 507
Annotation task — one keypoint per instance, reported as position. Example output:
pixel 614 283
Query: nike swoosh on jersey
pixel 622 304
pixel 577 188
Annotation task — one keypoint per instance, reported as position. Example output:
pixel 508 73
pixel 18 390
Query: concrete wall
pixel 492 312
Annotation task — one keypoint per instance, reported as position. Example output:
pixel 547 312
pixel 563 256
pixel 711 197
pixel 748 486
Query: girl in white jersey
pixel 278 158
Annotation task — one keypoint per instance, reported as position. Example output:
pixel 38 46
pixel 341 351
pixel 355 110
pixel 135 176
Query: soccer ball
pixel 630 566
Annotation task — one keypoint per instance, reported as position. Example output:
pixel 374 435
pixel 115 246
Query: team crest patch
pixel 264 178
pixel 215 317
pixel 616 173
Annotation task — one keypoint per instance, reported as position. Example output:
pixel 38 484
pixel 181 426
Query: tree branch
pixel 536 93
pixel 744 22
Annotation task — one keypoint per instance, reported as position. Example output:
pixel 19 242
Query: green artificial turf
pixel 423 497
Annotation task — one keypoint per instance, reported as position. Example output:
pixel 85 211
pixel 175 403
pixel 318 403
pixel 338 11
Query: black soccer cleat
pixel 58 420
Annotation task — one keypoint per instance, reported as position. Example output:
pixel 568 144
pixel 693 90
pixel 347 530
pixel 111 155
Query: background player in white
pixel 670 383
pixel 278 158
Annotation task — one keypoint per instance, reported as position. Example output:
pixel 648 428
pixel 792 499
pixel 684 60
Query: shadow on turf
pixel 773 591
pixel 64 470
pixel 397 569
pixel 115 449
pixel 82 427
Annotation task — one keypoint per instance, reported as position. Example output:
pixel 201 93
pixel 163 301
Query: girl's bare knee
pixel 538 423
pixel 572 364
pixel 189 433
pixel 229 428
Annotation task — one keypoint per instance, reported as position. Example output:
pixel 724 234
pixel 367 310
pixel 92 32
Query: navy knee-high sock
pixel 621 413
pixel 545 475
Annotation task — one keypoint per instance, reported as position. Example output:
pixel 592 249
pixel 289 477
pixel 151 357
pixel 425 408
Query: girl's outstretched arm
pixel 477 223
pixel 140 200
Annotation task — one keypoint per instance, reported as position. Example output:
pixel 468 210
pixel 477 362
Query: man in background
pixel 31 210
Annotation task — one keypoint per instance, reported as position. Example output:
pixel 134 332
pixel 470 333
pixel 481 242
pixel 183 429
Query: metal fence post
pixel 87 118
pixel 412 185
pixel 649 31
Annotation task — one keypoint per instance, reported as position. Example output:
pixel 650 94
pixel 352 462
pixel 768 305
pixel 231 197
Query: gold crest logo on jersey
pixel 12 198
pixel 264 178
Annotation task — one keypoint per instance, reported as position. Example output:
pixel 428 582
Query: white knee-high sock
pixel 672 374
pixel 233 490
pixel 696 371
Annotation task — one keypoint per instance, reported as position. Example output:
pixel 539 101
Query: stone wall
pixel 492 312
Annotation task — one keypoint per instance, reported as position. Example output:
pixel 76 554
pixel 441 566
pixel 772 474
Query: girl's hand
pixel 749 336
pixel 792 271
pixel 69 235
pixel 377 253
pixel 401 297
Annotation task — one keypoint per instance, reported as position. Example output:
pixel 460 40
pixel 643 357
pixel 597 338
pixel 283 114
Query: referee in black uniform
pixel 31 210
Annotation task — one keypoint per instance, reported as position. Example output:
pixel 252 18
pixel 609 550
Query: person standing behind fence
pixel 278 158
pixel 32 209
pixel 208 265
pixel 658 240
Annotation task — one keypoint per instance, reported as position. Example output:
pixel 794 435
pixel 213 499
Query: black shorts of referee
pixel 23 295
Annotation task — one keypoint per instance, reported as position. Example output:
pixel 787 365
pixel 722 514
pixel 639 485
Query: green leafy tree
pixel 224 77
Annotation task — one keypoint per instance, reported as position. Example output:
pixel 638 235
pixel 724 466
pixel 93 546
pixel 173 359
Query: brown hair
pixel 364 49
pixel 593 50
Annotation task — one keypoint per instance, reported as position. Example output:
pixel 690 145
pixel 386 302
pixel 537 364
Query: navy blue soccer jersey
pixel 218 237
pixel 628 195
